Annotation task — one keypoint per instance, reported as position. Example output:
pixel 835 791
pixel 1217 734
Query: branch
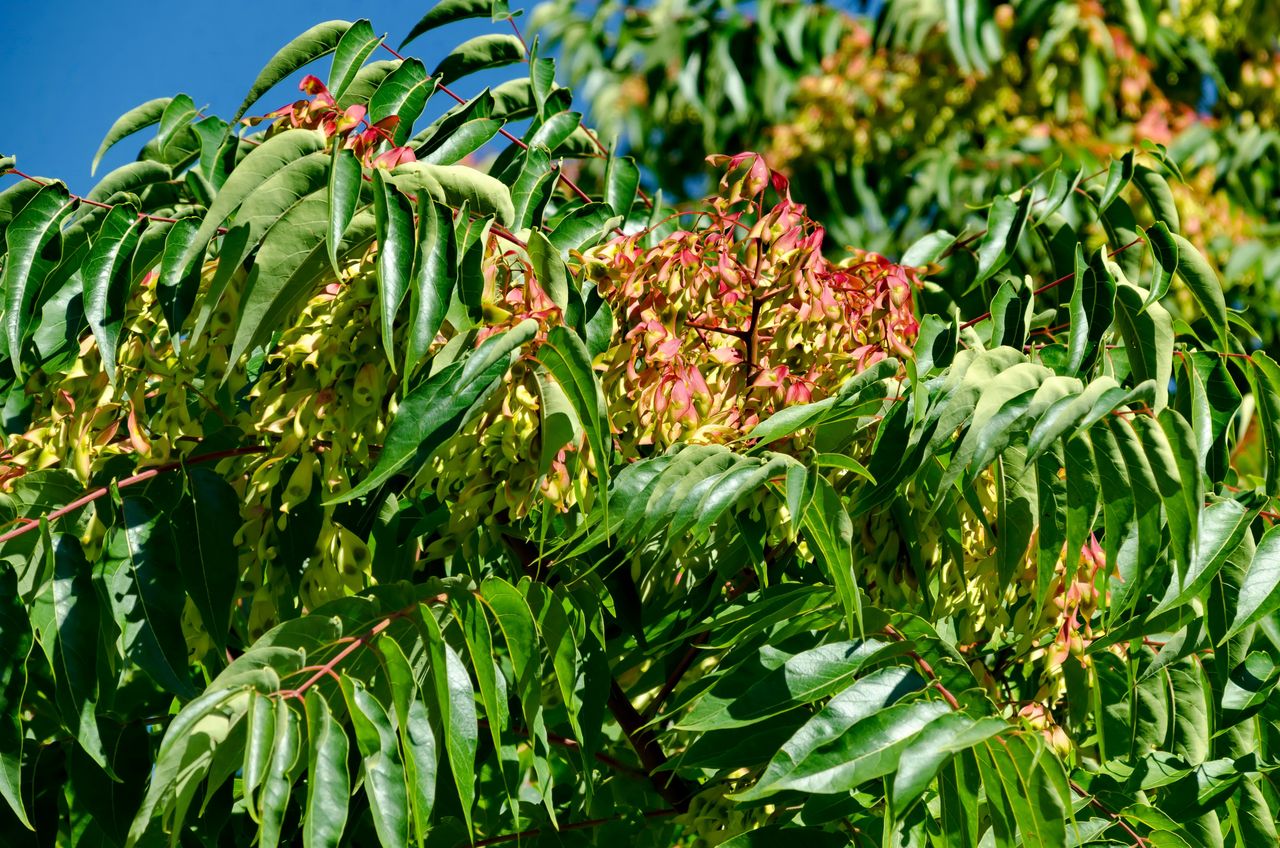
pixel 926 670
pixel 1137 840
pixel 984 316
pixel 141 215
pixel 673 789
pixel 140 477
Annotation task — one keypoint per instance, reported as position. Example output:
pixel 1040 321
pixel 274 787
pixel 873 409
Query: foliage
pixel 903 123
pixel 373 483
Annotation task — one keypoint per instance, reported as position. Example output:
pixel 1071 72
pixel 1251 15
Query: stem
pixel 141 215
pixel 142 476
pixel 926 670
pixel 1137 840
pixel 673 790
pixel 673 679
pixel 984 316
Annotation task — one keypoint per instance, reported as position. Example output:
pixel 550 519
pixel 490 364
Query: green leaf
pixel 827 525
pixel 802 679
pixel 344 195
pixel 532 189
pixel 941 739
pixel 862 699
pixel 1004 229
pixel 321 40
pixel 1037 802
pixel 455 702
pixel 1155 189
pixel 132 177
pixel 460 143
pixel 278 784
pixel 1092 308
pixel 178 115
pixel 1118 176
pixel 352 49
pixel 328 783
pixel 435 409
pixel 1165 253
pixel 210 564
pixel 783 836
pixel 1171 451
pixel 15 642
pixel 622 180
pixel 867 750
pixel 565 357
pixel 432 278
pixel 384 778
pixel 261 164
pixel 1222 527
pixel 1260 590
pixel 395 255
pixel 456 185
pixel 137 118
pixel 292 257
pixel 1148 338
pixel 423 750
pixel 177 284
pixel 448 11
pixel 189 745
pixel 928 249
pixel 28 242
pixel 1203 282
pixel 404 93
pixel 146 594
pixel 105 278
pixel 260 737
pixel 494 50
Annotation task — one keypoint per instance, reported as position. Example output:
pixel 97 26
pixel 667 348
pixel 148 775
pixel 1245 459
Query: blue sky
pixel 71 68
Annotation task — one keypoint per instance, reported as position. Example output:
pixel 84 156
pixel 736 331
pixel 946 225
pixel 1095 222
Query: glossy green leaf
pixel 448 11
pixel 138 118
pixel 384 777
pixel 1260 591
pixel 28 241
pixel 395 255
pixel 344 195
pixel 494 50
pixel 435 409
pixel 352 49
pixel 146 594
pixel 328 783
pixel 802 679
pixel 105 278
pixel 432 280
pixel 403 93
pixel 320 40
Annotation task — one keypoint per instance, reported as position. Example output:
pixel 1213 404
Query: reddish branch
pixel 926 670
pixel 141 215
pixel 140 477
pixel 984 316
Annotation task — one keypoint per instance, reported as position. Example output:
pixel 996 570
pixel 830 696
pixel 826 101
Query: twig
pixel 99 204
pixel 926 670
pixel 1137 840
pixel 140 477
pixel 673 790
pixel 984 316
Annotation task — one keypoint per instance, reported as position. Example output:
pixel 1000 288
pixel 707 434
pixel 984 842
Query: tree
pixel 363 491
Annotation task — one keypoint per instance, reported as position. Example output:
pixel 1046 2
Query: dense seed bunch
pixel 728 321
pixel 867 98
